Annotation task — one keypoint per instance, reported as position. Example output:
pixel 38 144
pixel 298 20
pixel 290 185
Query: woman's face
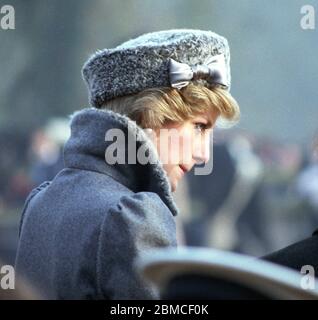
pixel 181 146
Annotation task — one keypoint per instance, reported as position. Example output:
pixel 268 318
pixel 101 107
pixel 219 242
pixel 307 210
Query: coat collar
pixel 86 150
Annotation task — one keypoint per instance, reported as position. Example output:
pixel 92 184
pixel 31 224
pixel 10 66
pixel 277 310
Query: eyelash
pixel 200 126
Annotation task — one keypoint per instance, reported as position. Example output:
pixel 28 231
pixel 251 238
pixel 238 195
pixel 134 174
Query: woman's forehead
pixel 209 117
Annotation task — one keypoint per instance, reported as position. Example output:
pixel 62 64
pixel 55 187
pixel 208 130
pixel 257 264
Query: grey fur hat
pixel 146 62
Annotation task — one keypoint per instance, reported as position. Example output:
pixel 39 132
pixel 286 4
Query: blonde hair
pixel 152 108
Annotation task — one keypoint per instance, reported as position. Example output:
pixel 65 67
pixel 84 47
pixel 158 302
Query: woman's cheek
pixel 186 150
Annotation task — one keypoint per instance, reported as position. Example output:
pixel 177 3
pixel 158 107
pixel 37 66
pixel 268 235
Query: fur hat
pixel 145 62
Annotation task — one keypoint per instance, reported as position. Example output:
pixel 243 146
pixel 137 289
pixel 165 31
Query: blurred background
pixel 263 192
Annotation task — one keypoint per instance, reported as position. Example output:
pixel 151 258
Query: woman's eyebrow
pixel 207 122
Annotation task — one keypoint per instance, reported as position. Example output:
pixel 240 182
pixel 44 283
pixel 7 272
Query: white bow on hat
pixel 214 71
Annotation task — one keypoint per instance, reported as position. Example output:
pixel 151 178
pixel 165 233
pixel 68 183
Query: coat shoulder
pixel 82 232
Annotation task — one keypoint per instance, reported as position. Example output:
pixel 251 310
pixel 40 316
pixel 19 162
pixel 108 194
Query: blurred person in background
pixel 227 218
pixel 307 180
pixel 47 150
pixel 304 252
pixel 14 183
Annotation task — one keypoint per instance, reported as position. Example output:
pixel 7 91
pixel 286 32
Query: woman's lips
pixel 184 169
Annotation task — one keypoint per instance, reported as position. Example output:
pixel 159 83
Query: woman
pixel 81 233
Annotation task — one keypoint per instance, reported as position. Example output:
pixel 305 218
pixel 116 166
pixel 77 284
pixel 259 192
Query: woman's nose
pixel 201 159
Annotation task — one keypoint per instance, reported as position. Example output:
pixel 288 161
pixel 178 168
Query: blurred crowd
pixel 26 162
pixel 261 195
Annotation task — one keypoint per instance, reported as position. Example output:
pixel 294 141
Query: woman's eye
pixel 200 126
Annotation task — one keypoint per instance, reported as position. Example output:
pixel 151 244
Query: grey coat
pixel 80 233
